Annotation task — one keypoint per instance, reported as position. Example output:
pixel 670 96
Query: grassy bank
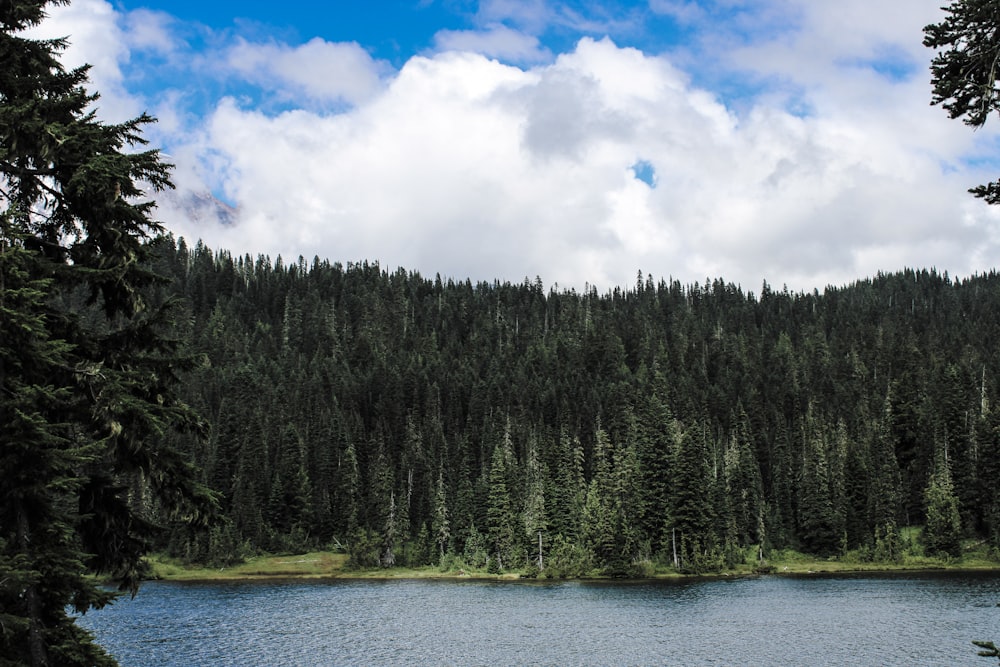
pixel 326 564
pixel 312 565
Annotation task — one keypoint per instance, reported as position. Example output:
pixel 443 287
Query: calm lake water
pixel 916 620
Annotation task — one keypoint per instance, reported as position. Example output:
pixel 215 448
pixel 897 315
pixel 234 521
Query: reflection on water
pixel 754 621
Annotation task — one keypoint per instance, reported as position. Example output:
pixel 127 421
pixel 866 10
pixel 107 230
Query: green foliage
pixel 483 415
pixel 964 69
pixel 476 553
pixel 364 550
pixel 567 559
pixel 500 517
pixel 942 535
pixel 445 417
pixel 90 356
pixel 818 517
pixel 441 526
pixel 888 546
pixel 691 518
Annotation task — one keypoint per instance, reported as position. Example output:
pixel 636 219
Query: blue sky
pixel 781 140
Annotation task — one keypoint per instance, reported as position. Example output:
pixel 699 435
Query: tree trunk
pixel 36 643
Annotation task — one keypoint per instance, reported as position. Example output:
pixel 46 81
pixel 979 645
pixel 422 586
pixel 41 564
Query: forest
pixel 412 421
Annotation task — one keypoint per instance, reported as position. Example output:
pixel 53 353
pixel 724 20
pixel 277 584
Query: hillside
pixel 412 419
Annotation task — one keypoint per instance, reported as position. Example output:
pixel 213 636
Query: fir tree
pixel 942 533
pixel 690 521
pixel 964 70
pixel 442 526
pixel 817 514
pixel 500 518
pixel 88 394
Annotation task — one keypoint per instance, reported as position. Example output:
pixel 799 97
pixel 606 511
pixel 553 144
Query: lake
pixel 771 620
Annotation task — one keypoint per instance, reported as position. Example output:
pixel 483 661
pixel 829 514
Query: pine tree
pixel 690 522
pixel 988 473
pixel 885 490
pixel 817 515
pixel 942 534
pixel 535 517
pixel 500 517
pixel 743 485
pixel 569 488
pixel 657 439
pixel 89 392
pixel 964 71
pixel 442 526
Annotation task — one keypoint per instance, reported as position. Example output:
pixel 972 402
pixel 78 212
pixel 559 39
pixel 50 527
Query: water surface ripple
pixel 925 620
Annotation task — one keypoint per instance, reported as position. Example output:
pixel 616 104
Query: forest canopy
pixel 411 419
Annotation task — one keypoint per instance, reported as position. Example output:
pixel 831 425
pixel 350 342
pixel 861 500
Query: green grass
pixel 326 564
pixel 312 564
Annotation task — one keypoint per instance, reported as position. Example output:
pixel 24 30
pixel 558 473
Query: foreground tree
pixel 964 71
pixel 86 373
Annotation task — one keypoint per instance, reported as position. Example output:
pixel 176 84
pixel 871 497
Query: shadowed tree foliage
pixel 476 416
pixel 964 70
pixel 88 364
pixel 943 533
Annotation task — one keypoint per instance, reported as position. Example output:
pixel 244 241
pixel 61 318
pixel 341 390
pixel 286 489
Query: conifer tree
pixel 88 392
pixel 442 526
pixel 535 516
pixel 657 438
pixel 743 484
pixel 942 533
pixel 689 524
pixel 989 473
pixel 885 490
pixel 500 518
pixel 817 515
pixel 964 70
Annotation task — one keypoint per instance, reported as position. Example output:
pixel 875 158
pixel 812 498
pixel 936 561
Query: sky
pixel 581 142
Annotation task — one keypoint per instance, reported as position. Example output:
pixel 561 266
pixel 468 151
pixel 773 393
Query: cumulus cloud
pixel 95 38
pixel 152 31
pixel 318 70
pixel 496 41
pixel 466 165
pixel 473 168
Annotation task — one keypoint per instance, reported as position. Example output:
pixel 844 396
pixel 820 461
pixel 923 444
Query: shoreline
pixel 326 566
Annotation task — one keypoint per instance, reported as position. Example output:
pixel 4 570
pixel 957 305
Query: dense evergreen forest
pixel 412 420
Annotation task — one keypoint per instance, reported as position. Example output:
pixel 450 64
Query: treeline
pixel 413 420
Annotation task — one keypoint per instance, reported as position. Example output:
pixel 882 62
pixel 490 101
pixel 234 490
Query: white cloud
pixel 532 16
pixel 685 12
pixel 468 167
pixel 496 41
pixel 95 38
pixel 149 30
pixel 319 70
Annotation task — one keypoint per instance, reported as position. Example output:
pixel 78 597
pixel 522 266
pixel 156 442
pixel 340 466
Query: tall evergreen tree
pixel 885 490
pixel 87 397
pixel 817 515
pixel 535 516
pixel 942 533
pixel 989 472
pixel 689 524
pixel 657 439
pixel 743 485
pixel 441 526
pixel 500 517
